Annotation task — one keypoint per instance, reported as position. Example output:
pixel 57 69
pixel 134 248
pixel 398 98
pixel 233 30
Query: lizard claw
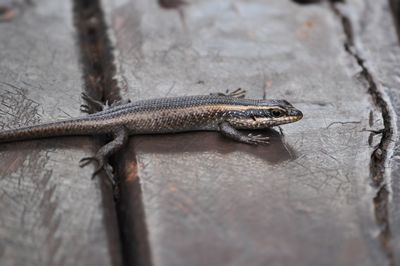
pixel 96 105
pixel 101 165
pixel 99 161
pixel 258 139
pixel 86 160
pixel 238 93
pixel 120 102
pixel 85 109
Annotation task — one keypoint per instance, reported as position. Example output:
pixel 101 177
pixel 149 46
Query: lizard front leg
pixel 230 132
pixel 238 93
pixel 120 139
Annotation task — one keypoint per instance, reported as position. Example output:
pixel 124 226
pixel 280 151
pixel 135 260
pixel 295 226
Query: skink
pixel 219 112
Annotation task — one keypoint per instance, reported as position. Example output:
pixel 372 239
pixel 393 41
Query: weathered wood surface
pixel 51 212
pixel 307 199
pixel 378 43
pixel 327 193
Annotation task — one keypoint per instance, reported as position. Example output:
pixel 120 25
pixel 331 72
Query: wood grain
pixel 52 213
pixel 325 193
pixel 304 200
pixel 375 30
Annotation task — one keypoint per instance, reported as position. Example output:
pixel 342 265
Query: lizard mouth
pixel 291 118
pixel 295 115
pixel 296 118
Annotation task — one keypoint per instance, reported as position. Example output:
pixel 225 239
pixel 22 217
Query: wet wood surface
pixel 326 192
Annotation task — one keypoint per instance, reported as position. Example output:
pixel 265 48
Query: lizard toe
pixel 86 160
pixel 85 108
pixel 258 138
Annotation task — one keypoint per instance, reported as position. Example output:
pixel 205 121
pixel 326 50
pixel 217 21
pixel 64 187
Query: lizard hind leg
pixel 120 139
pixel 92 105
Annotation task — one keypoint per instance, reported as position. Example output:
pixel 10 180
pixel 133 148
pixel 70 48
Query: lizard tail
pixel 70 127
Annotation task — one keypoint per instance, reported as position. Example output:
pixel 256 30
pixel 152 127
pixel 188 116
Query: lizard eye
pixel 277 113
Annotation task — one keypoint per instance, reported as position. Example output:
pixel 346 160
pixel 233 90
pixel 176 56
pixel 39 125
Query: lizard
pixel 226 113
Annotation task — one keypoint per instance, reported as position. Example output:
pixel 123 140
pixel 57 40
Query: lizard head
pixel 264 114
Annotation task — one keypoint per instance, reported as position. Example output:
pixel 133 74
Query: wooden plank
pixel 52 213
pixel 377 42
pixel 306 199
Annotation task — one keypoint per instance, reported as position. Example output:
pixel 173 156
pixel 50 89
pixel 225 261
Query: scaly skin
pixel 223 113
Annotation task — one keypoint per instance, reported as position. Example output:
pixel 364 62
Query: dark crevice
pixel 96 52
pixel 395 8
pixel 306 2
pixel 381 154
pixel 176 4
pixel 131 214
pixel 99 72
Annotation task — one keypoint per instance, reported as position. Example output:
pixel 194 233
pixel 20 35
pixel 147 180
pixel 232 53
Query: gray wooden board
pixel 379 44
pixel 51 212
pixel 304 200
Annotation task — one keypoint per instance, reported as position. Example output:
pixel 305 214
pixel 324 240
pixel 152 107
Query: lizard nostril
pixel 298 113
